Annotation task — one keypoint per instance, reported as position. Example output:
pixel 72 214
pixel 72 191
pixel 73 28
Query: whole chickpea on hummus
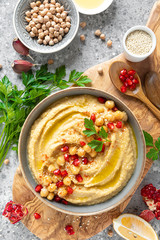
pixel 65 165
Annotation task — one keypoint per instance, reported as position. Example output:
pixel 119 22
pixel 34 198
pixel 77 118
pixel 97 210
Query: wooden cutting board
pixel 52 223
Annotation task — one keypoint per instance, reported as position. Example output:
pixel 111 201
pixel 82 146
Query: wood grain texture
pixel 52 223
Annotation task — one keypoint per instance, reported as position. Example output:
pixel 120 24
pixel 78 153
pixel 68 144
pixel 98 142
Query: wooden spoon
pixel 152 87
pixel 138 93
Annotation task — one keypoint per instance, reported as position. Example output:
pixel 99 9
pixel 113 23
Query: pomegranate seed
pixel 126 76
pixel 38 188
pixel 69 229
pixel 131 77
pixel 129 81
pixel 158 205
pixel 110 126
pixel 99 139
pixel 93 117
pixel 79 178
pixel 133 86
pixel 148 191
pixel 64 149
pixel 122 78
pixel 125 84
pixel 123 89
pixel 73 157
pixel 71 232
pixel 123 72
pixel 76 162
pixel 135 80
pixel 66 157
pixel 69 190
pixel 132 72
pixel 57 172
pixel 114 109
pixel 57 198
pixel 37 215
pixel 103 148
pixel 85 160
pixel 64 202
pixel 157 214
pixel 59 184
pixel 64 173
pixel 20 66
pixel 9 208
pixel 119 124
pixel 82 143
pixel 101 99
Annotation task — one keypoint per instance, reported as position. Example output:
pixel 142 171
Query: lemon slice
pixel 132 227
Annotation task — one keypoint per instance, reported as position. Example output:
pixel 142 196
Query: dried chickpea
pixel 35 15
pixel 38 26
pixel 32 34
pixel 62 8
pixel 39 41
pixel 68 24
pixel 47 180
pixel 57 5
pixel 40 18
pixel 63 15
pixel 109 43
pixel 51 42
pixel 56 34
pixel 51 30
pixel 97 33
pixel 62 192
pixel 82 38
pixel 44 27
pixel 53 23
pixel 61 31
pixel 68 19
pixel 44 42
pixel 51 168
pixel 56 19
pixel 58 15
pixel 58 10
pixel 50 61
pixel 49 14
pixel 81 152
pixel 100 70
pixel 34 30
pixel 55 40
pixel 75 170
pixel 102 37
pixel 28 19
pixel 6 161
pixel 52 187
pixel 60 159
pixel 72 150
pixel 36 9
pixel 44 192
pixel 56 27
pixel 32 24
pixel 46 32
pixel 46 18
pixel 51 36
pixel 87 148
pixel 50 196
pixel 53 1
pixel 28 28
pixel 52 10
pixel 32 4
pixel 99 122
pixel 28 14
pixel 109 104
pixel 93 153
pixel 48 24
pixel 66 30
pixel 60 20
pixel 59 38
pixel 42 13
pixel 41 7
pixel 47 5
pixel 35 20
pixel 83 24
pixel 67 181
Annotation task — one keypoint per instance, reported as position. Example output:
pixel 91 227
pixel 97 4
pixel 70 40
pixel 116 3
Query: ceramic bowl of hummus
pixel 82 151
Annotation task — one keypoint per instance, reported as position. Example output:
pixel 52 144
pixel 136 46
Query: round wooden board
pixel 52 223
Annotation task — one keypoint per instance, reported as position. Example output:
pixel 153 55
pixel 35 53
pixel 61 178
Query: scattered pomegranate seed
pixel 82 143
pixel 64 149
pixel 125 84
pixel 93 117
pixel 76 162
pixel 69 229
pixel 37 215
pixel 69 190
pixel 101 99
pixel 122 78
pixel 79 178
pixel 132 72
pixel 158 205
pixel 114 109
pixel 147 215
pixel 110 126
pixel 38 188
pixel 135 81
pixel 131 77
pixel 99 139
pixel 119 124
pixel 64 202
pixel 64 173
pixel 73 157
pixel 85 160
pixel 157 214
pixel 123 72
pixel 57 172
pixel 66 157
pixel 59 184
pixel 132 87
pixel 129 81
pixel 57 198
pixel 123 89
pixel 103 148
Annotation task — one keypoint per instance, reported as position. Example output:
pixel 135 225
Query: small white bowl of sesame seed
pixel 139 42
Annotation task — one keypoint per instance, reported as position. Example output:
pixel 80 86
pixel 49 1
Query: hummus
pixel 63 163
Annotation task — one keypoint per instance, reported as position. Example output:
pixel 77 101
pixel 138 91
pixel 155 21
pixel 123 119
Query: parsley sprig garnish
pixel 90 131
pixel 15 105
pixel 154 152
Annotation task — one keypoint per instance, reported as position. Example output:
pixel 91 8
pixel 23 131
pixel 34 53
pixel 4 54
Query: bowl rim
pixel 130 192
pixel 96 10
pixel 48 51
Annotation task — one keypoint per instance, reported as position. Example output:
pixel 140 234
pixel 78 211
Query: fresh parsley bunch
pixel 15 105
pixel 90 130
pixel 154 152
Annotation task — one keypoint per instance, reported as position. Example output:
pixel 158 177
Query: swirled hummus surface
pixel 62 162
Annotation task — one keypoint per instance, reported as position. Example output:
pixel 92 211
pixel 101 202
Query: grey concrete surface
pixel 114 22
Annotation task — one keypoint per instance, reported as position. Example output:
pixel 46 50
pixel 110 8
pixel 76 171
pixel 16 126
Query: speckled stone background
pixel 114 22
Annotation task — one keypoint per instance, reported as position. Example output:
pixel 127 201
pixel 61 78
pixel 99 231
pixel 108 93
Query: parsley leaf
pixel 88 123
pixel 153 154
pixel 148 139
pixel 82 81
pixel 103 133
pixel 96 145
pixel 157 144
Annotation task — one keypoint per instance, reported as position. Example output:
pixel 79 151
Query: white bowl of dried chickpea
pixel 46 26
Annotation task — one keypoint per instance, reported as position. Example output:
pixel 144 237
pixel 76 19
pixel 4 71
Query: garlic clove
pixel 20 48
pixel 20 66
